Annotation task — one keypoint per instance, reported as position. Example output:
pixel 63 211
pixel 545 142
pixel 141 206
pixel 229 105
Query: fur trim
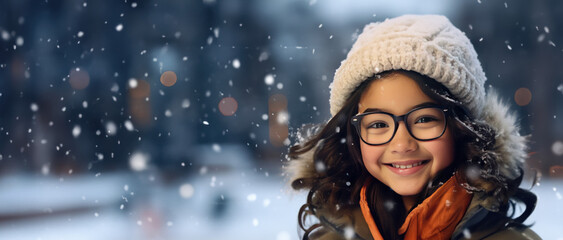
pixel 303 167
pixel 510 146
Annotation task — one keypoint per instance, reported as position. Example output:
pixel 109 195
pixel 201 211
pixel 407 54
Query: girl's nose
pixel 403 142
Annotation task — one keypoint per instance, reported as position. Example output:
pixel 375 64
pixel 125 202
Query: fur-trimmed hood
pixel 510 146
pixel 431 46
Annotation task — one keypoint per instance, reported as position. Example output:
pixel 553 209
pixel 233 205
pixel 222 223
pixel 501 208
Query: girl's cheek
pixel 442 151
pixel 370 154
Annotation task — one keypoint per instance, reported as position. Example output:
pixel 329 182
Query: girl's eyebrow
pixel 373 110
pixel 424 104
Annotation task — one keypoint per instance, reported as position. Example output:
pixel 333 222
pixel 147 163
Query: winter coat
pixel 477 223
pixel 480 221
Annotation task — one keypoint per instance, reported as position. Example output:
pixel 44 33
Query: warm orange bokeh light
pixel 556 171
pixel 523 96
pixel 228 106
pixel 141 91
pixel 168 78
pixel 139 107
pixel 278 119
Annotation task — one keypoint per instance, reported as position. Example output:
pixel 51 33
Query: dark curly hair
pixel 340 173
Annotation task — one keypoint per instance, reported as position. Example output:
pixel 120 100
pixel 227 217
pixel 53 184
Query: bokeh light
pixel 278 119
pixel 79 78
pixel 523 96
pixel 138 161
pixel 228 106
pixel 139 89
pixel 186 190
pixel 556 171
pixel 168 78
pixel 557 148
pixel 139 106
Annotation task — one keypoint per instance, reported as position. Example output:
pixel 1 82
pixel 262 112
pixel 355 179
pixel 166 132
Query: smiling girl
pixel 416 148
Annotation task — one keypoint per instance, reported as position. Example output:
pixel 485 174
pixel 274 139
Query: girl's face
pixel 398 94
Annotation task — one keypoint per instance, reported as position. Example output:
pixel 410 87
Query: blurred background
pixel 155 119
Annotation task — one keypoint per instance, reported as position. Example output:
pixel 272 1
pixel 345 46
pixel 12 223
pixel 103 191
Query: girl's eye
pixel 426 119
pixel 378 125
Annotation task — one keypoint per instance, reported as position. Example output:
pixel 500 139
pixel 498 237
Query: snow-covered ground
pixel 210 206
pixel 547 218
pixel 115 207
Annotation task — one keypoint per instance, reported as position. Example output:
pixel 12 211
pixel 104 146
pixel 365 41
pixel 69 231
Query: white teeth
pixel 406 166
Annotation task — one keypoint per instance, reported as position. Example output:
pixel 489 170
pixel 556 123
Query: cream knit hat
pixel 427 44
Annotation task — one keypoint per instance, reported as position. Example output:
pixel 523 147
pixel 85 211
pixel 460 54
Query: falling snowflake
pixel 133 83
pixel 138 161
pixel 266 202
pixel 128 125
pixel 269 79
pixel 114 88
pixel 34 107
pixel 5 35
pixel 466 233
pixel 263 56
pixel 283 117
pixel 19 41
pixel 76 131
pixel 389 205
pixel 186 191
pixel 186 103
pixel 283 235
pixel 111 128
pixel 320 166
pixel 349 232
pixel 216 147
pixel 251 197
pixel 557 148
pixel 236 63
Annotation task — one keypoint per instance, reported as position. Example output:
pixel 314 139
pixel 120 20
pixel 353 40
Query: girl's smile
pixel 406 167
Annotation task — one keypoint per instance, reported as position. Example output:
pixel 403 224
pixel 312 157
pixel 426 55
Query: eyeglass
pixel 423 123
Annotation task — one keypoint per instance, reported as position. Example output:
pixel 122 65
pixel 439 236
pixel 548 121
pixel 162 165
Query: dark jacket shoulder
pixel 480 222
pixel 514 233
pixel 349 224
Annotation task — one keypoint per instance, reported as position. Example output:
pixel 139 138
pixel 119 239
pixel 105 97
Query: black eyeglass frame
pixel 356 120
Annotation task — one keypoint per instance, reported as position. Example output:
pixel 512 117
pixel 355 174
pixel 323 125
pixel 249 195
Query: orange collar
pixel 435 218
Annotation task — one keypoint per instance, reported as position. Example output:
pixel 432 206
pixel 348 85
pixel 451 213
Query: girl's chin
pixel 407 191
